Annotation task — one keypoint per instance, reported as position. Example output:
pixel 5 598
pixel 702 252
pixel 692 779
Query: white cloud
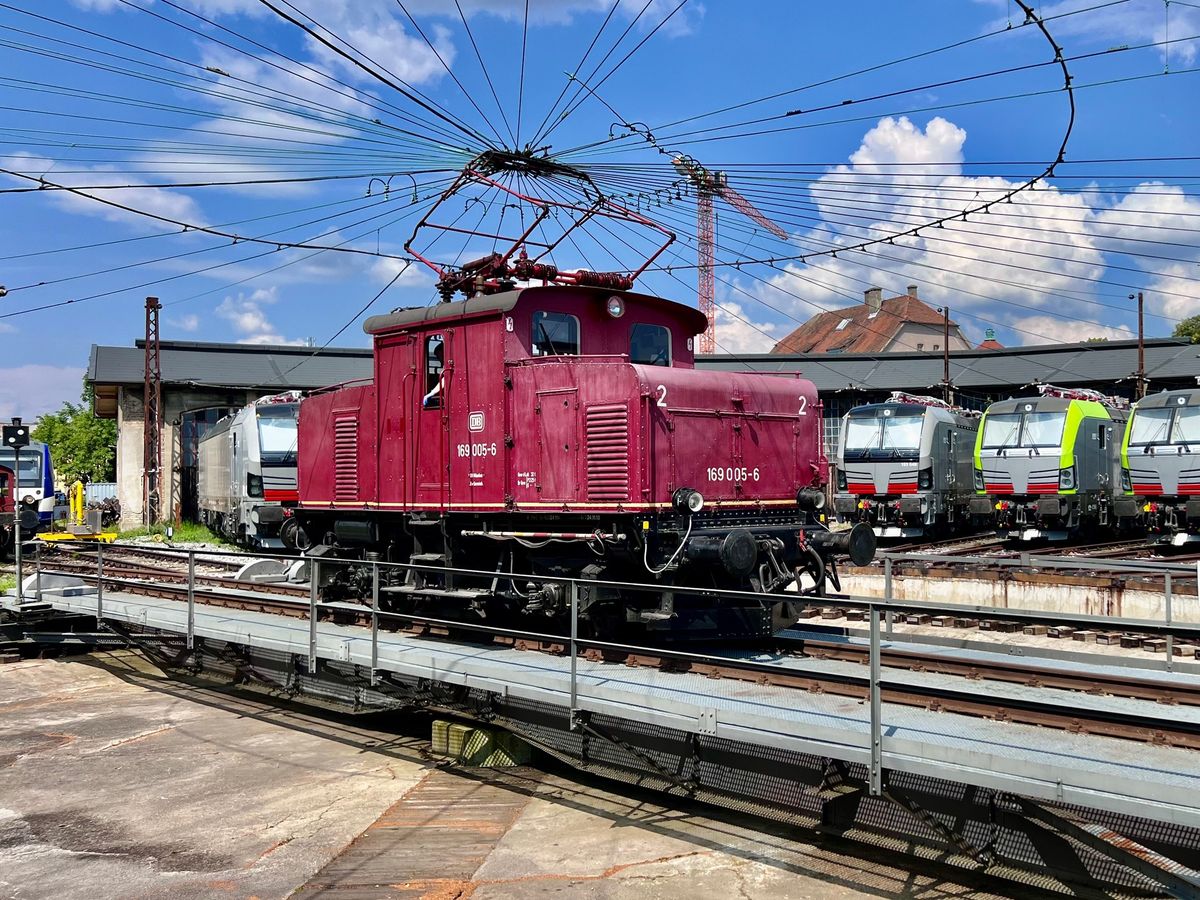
pixel 1170 290
pixel 738 332
pixel 384 269
pixel 1049 330
pixel 1036 252
pixel 187 323
pixel 249 319
pixel 1132 22
pixel 32 390
pixel 169 204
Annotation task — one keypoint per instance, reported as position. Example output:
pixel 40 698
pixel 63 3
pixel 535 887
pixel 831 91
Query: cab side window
pixel 650 345
pixel 555 334
pixel 435 368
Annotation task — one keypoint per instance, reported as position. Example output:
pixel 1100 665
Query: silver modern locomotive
pixel 904 466
pixel 247 474
pixel 1160 467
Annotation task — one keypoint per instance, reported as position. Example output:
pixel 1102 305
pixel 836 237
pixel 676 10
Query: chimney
pixel 873 297
pixel 912 291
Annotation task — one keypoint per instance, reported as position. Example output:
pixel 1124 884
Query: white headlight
pixel 615 307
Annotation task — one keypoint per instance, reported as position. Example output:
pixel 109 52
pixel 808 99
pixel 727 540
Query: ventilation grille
pixel 345 457
pixel 608 452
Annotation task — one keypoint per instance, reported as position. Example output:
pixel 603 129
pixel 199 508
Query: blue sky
pixel 247 96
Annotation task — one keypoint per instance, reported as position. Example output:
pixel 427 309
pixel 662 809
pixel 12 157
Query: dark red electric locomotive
pixel 563 430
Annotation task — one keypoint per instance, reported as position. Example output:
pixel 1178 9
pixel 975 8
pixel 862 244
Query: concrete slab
pixel 121 783
pixel 117 782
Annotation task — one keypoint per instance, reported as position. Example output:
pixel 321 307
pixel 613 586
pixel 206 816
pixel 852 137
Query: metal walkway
pixel 1044 805
pixel 1110 774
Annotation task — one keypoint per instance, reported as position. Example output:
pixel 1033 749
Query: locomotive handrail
pixel 341 384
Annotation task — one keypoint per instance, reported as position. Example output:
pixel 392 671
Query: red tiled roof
pixel 862 333
pixel 990 344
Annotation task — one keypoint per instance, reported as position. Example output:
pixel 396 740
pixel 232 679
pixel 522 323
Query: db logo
pixel 475 421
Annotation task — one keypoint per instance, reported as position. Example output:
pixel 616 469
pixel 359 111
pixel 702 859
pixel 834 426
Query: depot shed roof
pixel 225 366
pixel 1169 362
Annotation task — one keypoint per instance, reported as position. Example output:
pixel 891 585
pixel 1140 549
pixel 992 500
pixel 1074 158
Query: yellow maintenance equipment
pixel 82 524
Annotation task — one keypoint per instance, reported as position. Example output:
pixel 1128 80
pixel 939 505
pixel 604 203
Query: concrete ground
pixel 118 782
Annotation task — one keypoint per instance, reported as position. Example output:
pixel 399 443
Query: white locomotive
pixel 247 474
pixel 904 466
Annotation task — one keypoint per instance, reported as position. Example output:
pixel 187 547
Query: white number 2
pixel 803 405
pixel 662 395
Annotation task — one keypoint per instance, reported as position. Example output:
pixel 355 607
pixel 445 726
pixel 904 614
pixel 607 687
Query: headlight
pixel 254 485
pixel 615 307
pixel 841 481
pixel 687 500
pixel 1066 479
pixel 1126 481
pixel 925 479
pixel 979 479
pixel 810 499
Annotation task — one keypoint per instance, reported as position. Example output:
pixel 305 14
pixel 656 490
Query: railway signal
pixel 709 185
pixel 16 436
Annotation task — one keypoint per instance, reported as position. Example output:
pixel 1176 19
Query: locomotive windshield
pixel 1165 426
pixel 888 430
pixel 650 345
pixel 555 334
pixel 1035 429
pixel 31 465
pixel 277 434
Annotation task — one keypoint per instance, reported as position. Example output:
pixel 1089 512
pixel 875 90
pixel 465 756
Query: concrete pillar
pixel 130 431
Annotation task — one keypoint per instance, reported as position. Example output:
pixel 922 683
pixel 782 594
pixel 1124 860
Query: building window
pixel 920 346
pixel 935 346
pixel 555 334
pixel 842 324
pixel 435 370
pixel 650 345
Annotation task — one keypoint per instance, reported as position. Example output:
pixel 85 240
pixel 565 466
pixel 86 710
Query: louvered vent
pixel 345 458
pixel 608 452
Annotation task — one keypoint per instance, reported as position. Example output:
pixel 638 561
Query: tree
pixel 1188 328
pixel 82 446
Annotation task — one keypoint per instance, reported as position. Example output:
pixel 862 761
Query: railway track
pixel 969 700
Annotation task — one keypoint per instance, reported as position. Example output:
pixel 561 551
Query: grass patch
pixel 7 583
pixel 189 532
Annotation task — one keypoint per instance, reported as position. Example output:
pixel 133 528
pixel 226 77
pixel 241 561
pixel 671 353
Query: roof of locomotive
pixel 1191 397
pixel 506 300
pixel 874 409
pixel 1053 404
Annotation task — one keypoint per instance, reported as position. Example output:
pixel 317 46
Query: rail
pixel 880 614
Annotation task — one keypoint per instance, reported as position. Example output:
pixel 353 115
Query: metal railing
pixel 879 611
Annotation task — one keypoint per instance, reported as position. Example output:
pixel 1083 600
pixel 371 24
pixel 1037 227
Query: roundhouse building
pixel 204 381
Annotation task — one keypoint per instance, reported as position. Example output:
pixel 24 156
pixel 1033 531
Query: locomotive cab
pixel 1046 467
pixel 564 431
pixel 1160 466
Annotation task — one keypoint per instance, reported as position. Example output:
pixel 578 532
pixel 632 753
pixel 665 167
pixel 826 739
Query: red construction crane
pixel 708 185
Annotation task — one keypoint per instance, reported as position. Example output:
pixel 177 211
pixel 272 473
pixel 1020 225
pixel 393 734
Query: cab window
pixel 555 334
pixel 650 345
pixel 435 367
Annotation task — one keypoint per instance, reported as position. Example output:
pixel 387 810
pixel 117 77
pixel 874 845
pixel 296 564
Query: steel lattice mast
pixel 152 418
